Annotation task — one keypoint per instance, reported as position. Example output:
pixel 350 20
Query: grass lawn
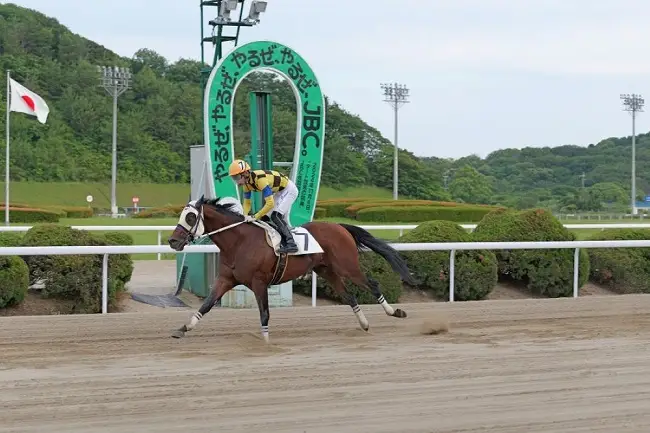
pixel 151 195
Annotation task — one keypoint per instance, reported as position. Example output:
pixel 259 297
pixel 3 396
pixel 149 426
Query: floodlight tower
pixel 115 81
pixel 396 95
pixel 633 103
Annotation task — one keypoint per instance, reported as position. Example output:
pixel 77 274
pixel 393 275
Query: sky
pixel 483 74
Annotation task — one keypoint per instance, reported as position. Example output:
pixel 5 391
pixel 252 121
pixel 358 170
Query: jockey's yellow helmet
pixel 238 166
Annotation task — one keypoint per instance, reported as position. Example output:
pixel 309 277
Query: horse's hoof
pixel 178 334
pixel 399 313
pixel 366 328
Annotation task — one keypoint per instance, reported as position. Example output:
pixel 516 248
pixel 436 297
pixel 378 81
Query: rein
pixel 221 229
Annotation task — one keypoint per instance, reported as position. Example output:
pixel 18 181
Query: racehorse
pixel 248 258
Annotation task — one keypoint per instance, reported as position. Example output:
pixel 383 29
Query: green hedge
pixel 76 277
pixel 171 211
pixel 625 270
pixel 476 272
pixel 388 214
pixel 14 280
pixel 372 264
pixel 320 212
pixel 547 272
pixel 77 211
pixel 336 208
pixel 351 211
pixel 31 215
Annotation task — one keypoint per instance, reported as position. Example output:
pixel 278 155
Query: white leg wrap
pixel 387 307
pixel 361 317
pixel 194 320
pixel 265 333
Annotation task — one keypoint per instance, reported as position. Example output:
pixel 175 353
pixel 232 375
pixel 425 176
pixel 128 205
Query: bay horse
pixel 246 258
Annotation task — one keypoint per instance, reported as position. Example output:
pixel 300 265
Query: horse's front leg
pixel 261 290
pixel 221 287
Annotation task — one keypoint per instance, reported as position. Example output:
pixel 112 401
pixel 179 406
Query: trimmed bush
pixel 77 211
pixel 75 277
pixel 14 280
pixel 372 264
pixel 389 214
pixel 120 264
pixel 626 270
pixel 171 211
pixel 336 208
pixel 544 271
pixel 351 211
pixel 475 272
pixel 10 239
pixel 320 212
pixel 31 215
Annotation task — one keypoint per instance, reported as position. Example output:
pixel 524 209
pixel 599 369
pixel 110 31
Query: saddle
pixel 303 239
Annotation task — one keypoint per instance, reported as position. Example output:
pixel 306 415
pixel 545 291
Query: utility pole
pixel 582 177
pixel 633 103
pixel 115 81
pixel 396 95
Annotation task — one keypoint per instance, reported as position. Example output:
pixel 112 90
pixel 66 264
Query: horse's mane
pixel 224 208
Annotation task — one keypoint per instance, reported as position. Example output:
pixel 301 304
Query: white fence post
pixel 452 274
pixel 314 288
pixel 159 242
pixel 105 284
pixel 576 271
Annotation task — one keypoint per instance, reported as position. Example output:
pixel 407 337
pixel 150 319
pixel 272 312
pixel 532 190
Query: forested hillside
pixel 160 117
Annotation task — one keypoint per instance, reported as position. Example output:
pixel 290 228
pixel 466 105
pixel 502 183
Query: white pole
pixel 314 287
pixel 159 241
pixel 7 152
pixel 576 271
pixel 105 284
pixel 452 274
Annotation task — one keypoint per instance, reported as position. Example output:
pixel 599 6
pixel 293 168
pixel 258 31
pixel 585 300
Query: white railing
pixel 452 247
pixel 400 227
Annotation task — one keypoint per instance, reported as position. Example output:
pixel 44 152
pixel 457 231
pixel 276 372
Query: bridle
pixel 191 234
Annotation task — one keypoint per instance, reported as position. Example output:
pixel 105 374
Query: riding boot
pixel 287 245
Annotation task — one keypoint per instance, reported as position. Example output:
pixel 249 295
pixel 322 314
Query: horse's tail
pixel 363 238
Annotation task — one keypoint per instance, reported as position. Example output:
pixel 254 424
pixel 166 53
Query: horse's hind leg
pixel 337 283
pixel 368 282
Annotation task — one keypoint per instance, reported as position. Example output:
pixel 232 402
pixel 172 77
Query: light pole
pixel 396 95
pixel 115 81
pixel 633 103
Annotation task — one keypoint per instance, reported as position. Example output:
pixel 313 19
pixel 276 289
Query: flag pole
pixel 7 152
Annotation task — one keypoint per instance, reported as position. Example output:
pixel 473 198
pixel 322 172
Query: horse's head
pixel 194 222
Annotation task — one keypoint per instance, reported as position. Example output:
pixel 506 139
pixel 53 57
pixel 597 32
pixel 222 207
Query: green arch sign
pixel 219 100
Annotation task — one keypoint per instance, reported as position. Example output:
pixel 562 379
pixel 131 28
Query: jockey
pixel 279 193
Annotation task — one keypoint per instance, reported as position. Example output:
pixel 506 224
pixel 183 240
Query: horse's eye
pixel 190 219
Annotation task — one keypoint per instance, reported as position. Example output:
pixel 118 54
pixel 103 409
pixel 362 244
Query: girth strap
pixel 280 268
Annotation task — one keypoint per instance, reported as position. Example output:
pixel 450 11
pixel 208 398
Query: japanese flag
pixel 25 101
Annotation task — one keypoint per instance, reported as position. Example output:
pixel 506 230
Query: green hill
pixel 159 118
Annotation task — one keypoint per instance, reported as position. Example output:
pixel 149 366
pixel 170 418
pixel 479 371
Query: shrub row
pixel 625 270
pixel 336 208
pixel 422 213
pixel 30 215
pixel 169 211
pixel 23 213
pixel 70 277
pixel 546 272
pixel 351 211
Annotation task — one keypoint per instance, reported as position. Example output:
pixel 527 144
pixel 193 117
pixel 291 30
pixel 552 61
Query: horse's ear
pixel 201 200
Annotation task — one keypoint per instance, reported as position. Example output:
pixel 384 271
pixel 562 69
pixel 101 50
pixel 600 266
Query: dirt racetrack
pixel 517 366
